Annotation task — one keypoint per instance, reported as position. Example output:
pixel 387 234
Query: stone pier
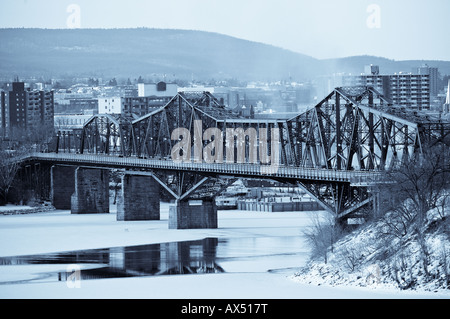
pixel 62 186
pixel 139 198
pixel 91 194
pixel 190 214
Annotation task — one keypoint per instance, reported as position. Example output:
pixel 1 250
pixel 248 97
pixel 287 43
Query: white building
pixel 69 122
pixel 197 89
pixel 109 105
pixel 160 89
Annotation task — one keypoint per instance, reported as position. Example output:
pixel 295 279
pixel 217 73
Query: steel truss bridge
pixel 335 151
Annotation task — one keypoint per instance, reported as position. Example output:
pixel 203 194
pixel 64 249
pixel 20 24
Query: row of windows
pixel 66 121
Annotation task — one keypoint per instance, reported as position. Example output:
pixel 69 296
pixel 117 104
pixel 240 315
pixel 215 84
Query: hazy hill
pixel 133 52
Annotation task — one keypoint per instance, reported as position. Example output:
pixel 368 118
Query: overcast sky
pixel 395 29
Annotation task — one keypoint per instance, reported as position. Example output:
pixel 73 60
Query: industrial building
pixel 150 97
pixel 137 106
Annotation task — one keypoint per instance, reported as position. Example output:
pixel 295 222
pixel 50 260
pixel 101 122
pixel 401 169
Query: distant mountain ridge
pixel 182 53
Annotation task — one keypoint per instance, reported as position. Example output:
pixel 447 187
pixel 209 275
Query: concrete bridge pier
pixel 91 194
pixel 139 198
pixel 62 186
pixel 190 214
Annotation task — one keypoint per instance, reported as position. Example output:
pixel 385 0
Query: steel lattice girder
pixel 350 129
pixel 185 185
pixel 152 132
pixel 152 138
pixel 347 132
pixel 338 198
pixel 107 134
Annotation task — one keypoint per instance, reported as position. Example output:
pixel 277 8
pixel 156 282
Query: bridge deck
pixel 233 169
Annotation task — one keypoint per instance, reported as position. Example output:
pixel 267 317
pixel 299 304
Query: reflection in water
pixel 190 257
pixel 210 255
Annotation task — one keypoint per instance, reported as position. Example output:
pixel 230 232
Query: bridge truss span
pixel 335 150
pixel 351 129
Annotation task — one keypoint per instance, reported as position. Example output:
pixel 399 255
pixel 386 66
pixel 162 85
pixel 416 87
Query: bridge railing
pixel 244 169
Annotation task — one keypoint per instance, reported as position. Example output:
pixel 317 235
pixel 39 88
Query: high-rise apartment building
pixel 379 82
pixel 411 90
pixel 433 74
pixel 25 109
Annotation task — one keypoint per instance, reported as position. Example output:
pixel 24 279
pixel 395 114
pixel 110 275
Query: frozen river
pixel 250 255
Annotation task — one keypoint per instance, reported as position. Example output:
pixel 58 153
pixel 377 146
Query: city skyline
pixel 400 30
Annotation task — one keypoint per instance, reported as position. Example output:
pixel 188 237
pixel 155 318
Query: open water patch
pixel 206 256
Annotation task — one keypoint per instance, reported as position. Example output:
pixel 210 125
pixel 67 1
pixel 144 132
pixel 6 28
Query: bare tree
pixel 8 170
pixel 402 271
pixel 19 142
pixel 322 235
pixel 445 260
pixel 350 257
pixel 415 188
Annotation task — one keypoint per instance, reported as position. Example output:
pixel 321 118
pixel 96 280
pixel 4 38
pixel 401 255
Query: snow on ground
pixel 363 258
pixel 10 207
pixel 58 231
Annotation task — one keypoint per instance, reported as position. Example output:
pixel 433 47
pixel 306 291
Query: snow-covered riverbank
pixel 58 231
